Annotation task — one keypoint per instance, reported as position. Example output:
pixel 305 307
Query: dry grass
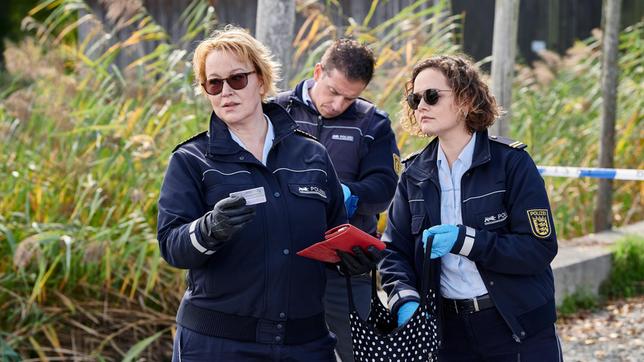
pixel 84 145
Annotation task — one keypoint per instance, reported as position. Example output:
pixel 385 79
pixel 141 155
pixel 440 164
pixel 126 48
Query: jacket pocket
pixel 417 222
pixel 222 176
pixel 538 318
pixel 417 211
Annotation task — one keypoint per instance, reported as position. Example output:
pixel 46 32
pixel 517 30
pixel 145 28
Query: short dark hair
pixel 471 93
pixel 353 59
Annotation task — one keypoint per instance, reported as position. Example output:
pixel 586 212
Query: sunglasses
pixel 237 81
pixel 430 96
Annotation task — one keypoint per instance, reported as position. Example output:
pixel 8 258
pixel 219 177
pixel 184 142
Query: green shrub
pixel 579 300
pixel 627 275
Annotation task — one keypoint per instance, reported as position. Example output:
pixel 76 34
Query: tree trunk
pixel 506 21
pixel 275 26
pixel 358 10
pixel 610 47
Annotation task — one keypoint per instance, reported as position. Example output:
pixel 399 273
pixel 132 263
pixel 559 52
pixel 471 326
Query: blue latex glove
pixel 350 201
pixel 444 238
pixel 406 311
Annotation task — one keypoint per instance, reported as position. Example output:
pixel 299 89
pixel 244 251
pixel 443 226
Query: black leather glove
pixel 227 217
pixel 360 262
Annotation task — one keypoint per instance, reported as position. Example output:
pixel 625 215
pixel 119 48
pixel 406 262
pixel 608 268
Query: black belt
pixel 467 306
pixel 251 329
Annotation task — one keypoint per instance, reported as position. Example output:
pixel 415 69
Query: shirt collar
pixel 306 97
pixel 465 157
pixel 268 140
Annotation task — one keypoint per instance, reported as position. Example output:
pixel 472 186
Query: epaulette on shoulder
pixel 305 134
pixel 382 113
pixel 363 106
pixel 367 103
pixel 282 98
pixel 508 142
pixel 189 139
pixel 411 156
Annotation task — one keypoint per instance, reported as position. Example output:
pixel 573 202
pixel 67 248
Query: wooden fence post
pixel 504 45
pixel 275 27
pixel 610 47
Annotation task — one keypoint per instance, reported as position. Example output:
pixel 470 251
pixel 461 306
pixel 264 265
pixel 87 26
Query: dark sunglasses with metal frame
pixel 237 81
pixel 430 96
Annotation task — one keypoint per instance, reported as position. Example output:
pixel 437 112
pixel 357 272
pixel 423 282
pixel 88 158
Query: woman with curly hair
pixel 481 204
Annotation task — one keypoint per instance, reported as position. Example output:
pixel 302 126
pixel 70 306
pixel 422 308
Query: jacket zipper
pixel 516 338
pixel 320 126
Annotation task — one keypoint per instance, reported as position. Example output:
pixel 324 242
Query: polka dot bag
pixel 379 339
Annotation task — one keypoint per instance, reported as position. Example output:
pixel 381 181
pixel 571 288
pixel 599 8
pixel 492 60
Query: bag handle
pixel 426 277
pixel 424 283
pixel 374 290
pixel 352 306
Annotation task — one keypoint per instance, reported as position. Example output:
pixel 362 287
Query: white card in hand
pixel 252 196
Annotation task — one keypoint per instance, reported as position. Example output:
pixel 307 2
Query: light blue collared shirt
pixel 306 97
pixel 459 277
pixel 268 140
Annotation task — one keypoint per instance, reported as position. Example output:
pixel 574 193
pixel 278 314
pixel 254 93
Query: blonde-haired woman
pixel 484 204
pixel 237 203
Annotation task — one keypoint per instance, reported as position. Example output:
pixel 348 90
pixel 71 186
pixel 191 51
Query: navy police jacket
pixel 362 146
pixel 510 234
pixel 257 273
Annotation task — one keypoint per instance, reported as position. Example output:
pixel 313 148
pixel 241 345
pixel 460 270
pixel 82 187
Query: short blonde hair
pixel 238 41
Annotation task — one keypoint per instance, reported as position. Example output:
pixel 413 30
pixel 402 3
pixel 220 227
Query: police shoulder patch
pixel 189 139
pixel 397 164
pixel 508 142
pixel 305 134
pixel 539 222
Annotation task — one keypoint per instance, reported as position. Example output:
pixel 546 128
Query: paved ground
pixel 604 238
pixel 614 333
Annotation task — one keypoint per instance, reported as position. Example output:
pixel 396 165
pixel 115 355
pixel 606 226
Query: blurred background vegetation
pixel 84 144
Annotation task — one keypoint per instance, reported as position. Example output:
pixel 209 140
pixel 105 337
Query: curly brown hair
pixel 471 95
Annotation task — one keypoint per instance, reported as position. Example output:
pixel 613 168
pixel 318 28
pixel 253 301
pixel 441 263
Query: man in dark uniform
pixel 363 149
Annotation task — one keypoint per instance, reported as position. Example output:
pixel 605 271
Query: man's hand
pixel 361 261
pixel 227 217
pixel 350 201
pixel 444 238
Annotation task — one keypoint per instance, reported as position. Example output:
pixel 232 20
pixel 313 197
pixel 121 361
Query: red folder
pixel 342 237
